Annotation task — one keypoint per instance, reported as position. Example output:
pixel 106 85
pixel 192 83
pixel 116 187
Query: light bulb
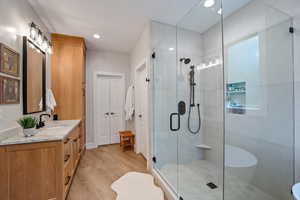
pixel 39 37
pixel 11 29
pixel 49 50
pixel 209 3
pixel 33 32
pixel 45 44
pixel 97 36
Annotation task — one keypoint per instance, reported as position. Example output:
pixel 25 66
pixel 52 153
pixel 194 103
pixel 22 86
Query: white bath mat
pixel 137 186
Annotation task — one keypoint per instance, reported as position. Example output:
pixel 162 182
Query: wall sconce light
pixel 37 36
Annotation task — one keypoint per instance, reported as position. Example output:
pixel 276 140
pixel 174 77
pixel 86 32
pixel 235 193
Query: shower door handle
pixel 171 121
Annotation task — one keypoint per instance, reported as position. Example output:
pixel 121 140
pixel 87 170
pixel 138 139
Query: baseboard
pixel 91 146
pixel 164 186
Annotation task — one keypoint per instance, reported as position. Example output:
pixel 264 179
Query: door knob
pixel 140 116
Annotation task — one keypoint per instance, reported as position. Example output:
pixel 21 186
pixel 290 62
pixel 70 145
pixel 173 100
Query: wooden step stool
pixel 126 139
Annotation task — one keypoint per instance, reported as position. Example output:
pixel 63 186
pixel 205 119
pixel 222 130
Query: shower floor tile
pixel 194 177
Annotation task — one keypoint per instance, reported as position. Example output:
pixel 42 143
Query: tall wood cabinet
pixel 68 77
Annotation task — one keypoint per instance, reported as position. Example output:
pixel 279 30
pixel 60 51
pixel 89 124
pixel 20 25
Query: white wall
pixel 139 55
pixel 141 51
pixel 103 61
pixel 15 17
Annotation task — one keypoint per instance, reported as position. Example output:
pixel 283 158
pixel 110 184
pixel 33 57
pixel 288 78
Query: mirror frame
pixel 25 67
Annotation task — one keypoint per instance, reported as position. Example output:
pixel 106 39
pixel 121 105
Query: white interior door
pixel 102 110
pixel 109 103
pixel 117 97
pixel 142 110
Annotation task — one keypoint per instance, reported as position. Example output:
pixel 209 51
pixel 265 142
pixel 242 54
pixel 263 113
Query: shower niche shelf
pixel 236 97
pixel 203 146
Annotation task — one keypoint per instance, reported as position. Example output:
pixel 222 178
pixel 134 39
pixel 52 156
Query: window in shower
pixel 244 75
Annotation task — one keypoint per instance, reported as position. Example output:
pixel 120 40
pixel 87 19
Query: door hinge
pixel 292 29
pixel 153 55
pixel 180 198
pixel 154 159
pixel 147 80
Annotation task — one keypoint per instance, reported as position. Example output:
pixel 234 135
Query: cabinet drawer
pixel 76 151
pixel 67 150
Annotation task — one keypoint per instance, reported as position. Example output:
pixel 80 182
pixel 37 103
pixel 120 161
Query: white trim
pixel 102 73
pixel 91 145
pixel 109 74
pixel 145 62
pixel 140 65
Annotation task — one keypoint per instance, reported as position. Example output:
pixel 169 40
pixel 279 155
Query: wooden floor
pixel 99 168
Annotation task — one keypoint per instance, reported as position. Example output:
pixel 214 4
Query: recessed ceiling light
pixel 209 3
pixel 171 49
pixel 11 29
pixel 97 36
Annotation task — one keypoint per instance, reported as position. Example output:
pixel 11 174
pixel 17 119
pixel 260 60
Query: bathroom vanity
pixel 41 167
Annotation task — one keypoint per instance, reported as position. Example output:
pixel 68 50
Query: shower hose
pixel 192 105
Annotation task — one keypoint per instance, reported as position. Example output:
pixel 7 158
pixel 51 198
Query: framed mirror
pixel 34 78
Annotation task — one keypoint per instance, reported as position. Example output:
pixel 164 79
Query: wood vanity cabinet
pixel 68 79
pixel 39 171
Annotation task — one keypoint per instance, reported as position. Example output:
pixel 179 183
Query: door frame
pixel 145 62
pixel 98 74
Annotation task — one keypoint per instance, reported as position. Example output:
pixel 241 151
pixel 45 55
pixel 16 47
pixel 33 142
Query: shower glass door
pixel 165 103
pixel 259 107
pixel 229 65
pixel 200 86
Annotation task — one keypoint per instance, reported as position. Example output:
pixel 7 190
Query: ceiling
pixel 200 19
pixel 119 22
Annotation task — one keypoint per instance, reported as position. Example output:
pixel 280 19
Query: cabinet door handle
pixel 75 140
pixel 67 157
pixel 67 181
pixel 66 141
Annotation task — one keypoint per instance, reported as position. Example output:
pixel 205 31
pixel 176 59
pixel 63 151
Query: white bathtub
pixel 240 163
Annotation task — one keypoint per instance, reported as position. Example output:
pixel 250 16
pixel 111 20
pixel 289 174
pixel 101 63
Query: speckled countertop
pixel 53 131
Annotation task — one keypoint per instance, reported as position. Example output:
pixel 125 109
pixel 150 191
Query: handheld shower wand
pixel 192 103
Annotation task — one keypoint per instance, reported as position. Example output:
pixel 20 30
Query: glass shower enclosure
pixel 223 101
